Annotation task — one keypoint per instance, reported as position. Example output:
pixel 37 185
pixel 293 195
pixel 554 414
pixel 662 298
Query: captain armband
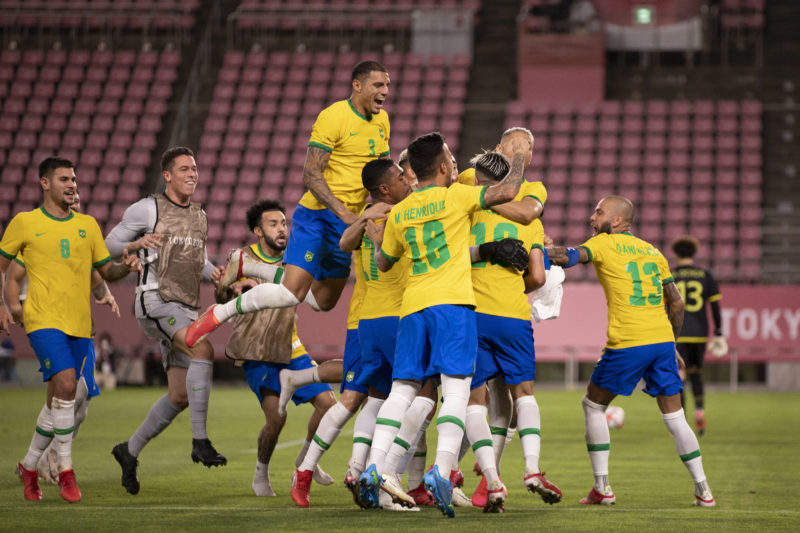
pixel 573 257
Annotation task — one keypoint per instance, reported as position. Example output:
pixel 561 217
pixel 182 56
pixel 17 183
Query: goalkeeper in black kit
pixel 698 288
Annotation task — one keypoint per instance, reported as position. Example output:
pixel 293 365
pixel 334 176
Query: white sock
pixel 261 484
pixel 529 425
pixel 481 439
pixel 414 463
pixel 42 437
pixel 390 419
pixel 499 417
pixel 262 296
pixel 415 415
pixel 598 441
pixel 363 428
pixel 63 412
pixel 329 427
pixel 686 443
pixel 258 269
pixel 311 301
pixel 306 376
pixel 450 423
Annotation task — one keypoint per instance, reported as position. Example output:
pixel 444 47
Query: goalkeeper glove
pixel 510 251
pixel 718 346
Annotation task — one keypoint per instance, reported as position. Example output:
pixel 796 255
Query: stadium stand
pixel 101 109
pixel 264 105
pixel 690 167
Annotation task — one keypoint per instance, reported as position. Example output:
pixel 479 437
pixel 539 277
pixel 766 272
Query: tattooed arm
pixel 675 307
pixel 507 189
pixel 316 161
pixel 558 255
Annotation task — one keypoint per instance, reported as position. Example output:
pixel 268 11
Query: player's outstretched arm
pixel 567 257
pixel 675 307
pixel 316 161
pixel 522 211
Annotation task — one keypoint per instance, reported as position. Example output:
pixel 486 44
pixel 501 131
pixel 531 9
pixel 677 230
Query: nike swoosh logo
pixel 40 234
pixel 356 133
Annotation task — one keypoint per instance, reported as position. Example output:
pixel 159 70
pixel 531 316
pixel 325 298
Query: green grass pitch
pixel 750 453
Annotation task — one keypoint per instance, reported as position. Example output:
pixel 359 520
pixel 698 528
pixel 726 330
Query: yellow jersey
pixel 59 256
pixel 499 288
pixel 430 228
pixel 359 291
pixel 353 141
pixel 633 273
pixel 384 296
pixel 534 189
pixel 297 347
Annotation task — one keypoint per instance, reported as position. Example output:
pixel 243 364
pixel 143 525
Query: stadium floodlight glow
pixel 643 15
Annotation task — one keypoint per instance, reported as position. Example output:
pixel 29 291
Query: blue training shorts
pixel 352 366
pixel 620 370
pixel 57 351
pixel 378 337
pixel 505 347
pixel 314 244
pixel 441 339
pixel 265 375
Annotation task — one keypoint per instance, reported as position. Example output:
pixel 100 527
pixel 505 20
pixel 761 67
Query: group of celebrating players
pixel 442 262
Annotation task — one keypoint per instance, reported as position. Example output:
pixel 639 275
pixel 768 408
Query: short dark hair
pixel 363 69
pixel 259 208
pixel 685 246
pixel 169 156
pixel 50 164
pixel 424 154
pixel 374 173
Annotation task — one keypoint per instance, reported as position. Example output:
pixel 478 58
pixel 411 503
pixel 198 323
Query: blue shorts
pixel 378 337
pixel 314 244
pixel 620 370
pixel 505 347
pixel 57 351
pixel 265 375
pixel 88 373
pixel 441 339
pixel 351 366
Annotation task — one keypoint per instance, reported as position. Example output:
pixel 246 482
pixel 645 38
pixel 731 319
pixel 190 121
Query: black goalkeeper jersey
pixel 697 287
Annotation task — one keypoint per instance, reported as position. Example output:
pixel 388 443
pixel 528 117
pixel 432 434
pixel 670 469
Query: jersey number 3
pixel 435 243
pixel 648 269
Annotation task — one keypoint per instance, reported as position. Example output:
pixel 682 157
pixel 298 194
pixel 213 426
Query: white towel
pixel 546 304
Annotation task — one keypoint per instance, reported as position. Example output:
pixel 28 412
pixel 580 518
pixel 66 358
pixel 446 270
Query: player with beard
pixel 637 284
pixel 266 342
pixel 60 248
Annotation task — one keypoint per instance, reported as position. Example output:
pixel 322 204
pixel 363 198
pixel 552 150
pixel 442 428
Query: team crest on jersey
pixel 82 233
pixel 380 132
pixel 171 321
pixel 349 377
pixel 309 256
